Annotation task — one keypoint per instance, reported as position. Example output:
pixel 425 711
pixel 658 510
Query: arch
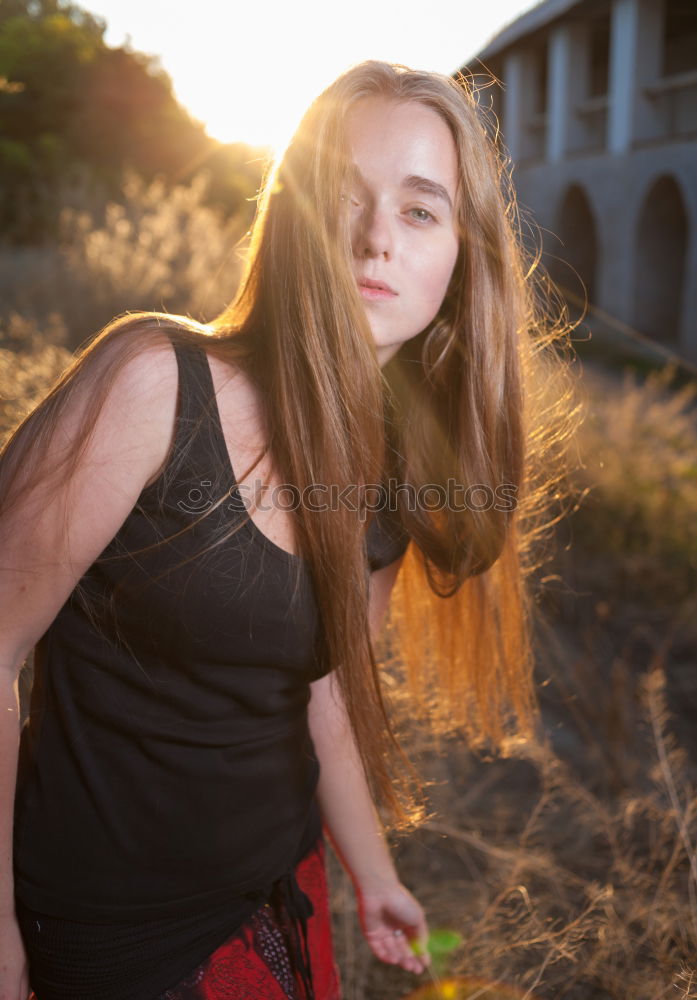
pixel 660 261
pixel 575 268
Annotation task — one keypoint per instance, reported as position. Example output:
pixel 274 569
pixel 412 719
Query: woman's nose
pixel 373 236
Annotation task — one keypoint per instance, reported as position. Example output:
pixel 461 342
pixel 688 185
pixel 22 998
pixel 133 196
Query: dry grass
pixel 556 886
pixel 639 450
pixel 148 251
pixel 30 361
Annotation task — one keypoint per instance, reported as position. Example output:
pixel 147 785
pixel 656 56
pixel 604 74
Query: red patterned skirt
pixel 260 960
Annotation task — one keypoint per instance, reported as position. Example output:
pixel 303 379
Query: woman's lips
pixel 374 290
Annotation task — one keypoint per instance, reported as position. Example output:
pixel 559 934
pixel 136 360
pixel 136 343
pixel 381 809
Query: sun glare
pixel 269 120
pixel 249 73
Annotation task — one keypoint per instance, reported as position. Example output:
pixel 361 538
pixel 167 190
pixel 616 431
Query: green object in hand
pixel 439 945
pixel 440 942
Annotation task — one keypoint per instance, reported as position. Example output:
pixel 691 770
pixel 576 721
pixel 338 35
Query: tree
pixel 70 106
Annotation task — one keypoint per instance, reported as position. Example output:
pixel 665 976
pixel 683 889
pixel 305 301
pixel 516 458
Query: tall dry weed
pixel 638 478
pixel 30 361
pixel 156 248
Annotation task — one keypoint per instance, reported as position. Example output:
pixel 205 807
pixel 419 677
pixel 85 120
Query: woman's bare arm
pixel 350 817
pixel 49 539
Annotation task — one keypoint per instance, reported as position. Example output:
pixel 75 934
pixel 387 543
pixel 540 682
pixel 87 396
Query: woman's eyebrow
pixel 416 183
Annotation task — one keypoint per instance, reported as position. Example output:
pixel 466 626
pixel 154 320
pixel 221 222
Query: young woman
pixel 192 545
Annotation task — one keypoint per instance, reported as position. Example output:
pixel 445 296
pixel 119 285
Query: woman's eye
pixel 421 214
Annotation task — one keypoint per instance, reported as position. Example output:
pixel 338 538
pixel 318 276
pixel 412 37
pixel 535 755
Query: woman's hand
pixel 391 918
pixel 385 905
pixel 14 977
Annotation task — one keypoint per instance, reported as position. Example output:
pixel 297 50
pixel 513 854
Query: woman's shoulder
pixel 126 384
pixel 172 357
pixel 134 350
pixel 167 351
pixel 146 356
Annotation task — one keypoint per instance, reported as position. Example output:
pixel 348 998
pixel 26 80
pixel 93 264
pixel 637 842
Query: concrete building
pixel 599 114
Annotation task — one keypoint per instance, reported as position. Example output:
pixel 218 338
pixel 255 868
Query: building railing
pixel 675 100
pixel 668 84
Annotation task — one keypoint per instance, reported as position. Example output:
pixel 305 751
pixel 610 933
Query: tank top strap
pixel 196 456
pixel 198 414
pixel 196 390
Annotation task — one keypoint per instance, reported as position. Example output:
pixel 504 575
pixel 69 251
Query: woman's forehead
pixel 404 139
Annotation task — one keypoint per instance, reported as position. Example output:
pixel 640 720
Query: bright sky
pixel 249 70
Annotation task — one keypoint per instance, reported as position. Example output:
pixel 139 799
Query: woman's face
pixel 402 205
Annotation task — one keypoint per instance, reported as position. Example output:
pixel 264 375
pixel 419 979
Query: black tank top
pixel 167 775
